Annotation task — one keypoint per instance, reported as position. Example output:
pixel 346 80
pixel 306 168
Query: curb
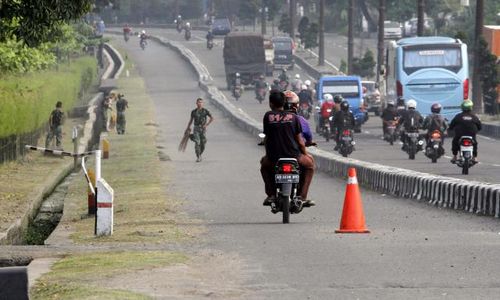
pixel 440 191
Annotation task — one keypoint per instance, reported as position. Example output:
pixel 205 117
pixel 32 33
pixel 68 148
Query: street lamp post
pixel 380 45
pixel 263 10
pixel 321 56
pixel 476 84
pixel 293 8
pixel 350 36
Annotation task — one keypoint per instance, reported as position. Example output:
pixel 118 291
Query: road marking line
pixel 487 138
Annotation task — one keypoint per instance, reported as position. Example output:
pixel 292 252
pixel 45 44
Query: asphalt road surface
pixel 370 146
pixel 415 251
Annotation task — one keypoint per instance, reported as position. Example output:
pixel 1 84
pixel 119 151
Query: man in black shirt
pixel 283 140
pixel 390 114
pixel 465 123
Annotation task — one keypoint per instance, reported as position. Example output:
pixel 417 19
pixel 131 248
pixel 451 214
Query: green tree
pixel 364 67
pixel 488 76
pixel 303 28
pixel 311 36
pixel 31 21
pixel 284 24
pixel 249 9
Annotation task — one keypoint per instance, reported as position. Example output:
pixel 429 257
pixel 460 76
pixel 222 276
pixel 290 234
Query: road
pixel 370 146
pixel 415 251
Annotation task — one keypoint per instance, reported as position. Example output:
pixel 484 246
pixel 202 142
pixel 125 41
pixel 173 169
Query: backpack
pixel 57 117
pixel 436 123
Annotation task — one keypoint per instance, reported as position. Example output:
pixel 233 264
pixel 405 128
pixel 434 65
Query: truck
pixel 244 54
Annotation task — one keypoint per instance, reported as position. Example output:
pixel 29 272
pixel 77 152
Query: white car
pixel 392 30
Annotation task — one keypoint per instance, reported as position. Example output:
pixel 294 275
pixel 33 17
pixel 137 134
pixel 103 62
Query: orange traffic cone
pixel 353 218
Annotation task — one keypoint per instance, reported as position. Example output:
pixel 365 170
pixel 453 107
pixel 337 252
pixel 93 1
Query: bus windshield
pixel 416 58
pixel 345 88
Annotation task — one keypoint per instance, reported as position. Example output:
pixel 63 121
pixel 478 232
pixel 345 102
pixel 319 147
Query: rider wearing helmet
pixel 435 121
pixel 283 76
pixel 292 104
pixel 143 37
pixel 297 83
pixel 343 119
pixel 465 123
pixel 390 114
pixel 411 120
pixel 328 104
pixel 260 84
pixel 276 85
pixel 210 35
pixel 305 97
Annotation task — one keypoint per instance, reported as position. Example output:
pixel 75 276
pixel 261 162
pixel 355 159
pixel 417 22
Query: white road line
pixel 198 38
pixel 298 67
pixel 326 61
pixel 487 138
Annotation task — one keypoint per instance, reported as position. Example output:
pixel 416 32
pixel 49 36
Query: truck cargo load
pixel 491 34
pixel 244 54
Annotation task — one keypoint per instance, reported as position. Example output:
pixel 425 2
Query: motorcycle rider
pixel 178 23
pixel 143 38
pixel 435 121
pixel 292 104
pixel 276 85
pixel 283 76
pixel 283 139
pixel 390 114
pixel 343 119
pixel 411 120
pixel 465 123
pixel 260 84
pixel 236 84
pixel 305 97
pixel 210 36
pixel 401 106
pixel 187 30
pixel 310 88
pixel 297 83
pixel 327 104
pixel 126 32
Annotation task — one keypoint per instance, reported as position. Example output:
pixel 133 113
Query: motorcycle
pixel 326 131
pixel 346 142
pixel 210 44
pixel 260 94
pixel 178 26
pixel 187 35
pixel 304 111
pixel 283 85
pixel 237 91
pixel 286 178
pixel 143 44
pixel 413 143
pixel 434 148
pixel 126 36
pixel 391 132
pixel 466 151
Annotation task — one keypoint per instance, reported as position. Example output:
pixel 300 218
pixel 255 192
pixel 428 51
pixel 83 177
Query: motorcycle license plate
pixel 466 148
pixel 346 138
pixel 413 135
pixel 286 178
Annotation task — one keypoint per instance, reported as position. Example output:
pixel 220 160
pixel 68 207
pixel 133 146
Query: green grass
pixel 75 277
pixel 27 100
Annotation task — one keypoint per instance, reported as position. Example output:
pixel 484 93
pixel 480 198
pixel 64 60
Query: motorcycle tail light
pixel 399 89
pixel 466 142
pixel 287 168
pixel 346 132
pixel 466 89
pixel 436 135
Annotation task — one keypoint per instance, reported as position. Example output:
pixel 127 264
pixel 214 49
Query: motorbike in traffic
pixel 413 143
pixel 346 142
pixel 434 148
pixel 391 132
pixel 187 34
pixel 210 44
pixel 304 110
pixel 283 85
pixel 143 44
pixel 237 91
pixel 465 160
pixel 126 36
pixel 326 130
pixel 260 94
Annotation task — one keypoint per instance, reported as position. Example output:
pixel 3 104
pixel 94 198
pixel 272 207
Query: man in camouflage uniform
pixel 55 126
pixel 199 117
pixel 121 106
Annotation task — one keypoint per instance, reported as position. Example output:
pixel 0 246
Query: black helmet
pixel 344 106
pixel 276 81
pixel 436 108
pixel 338 99
pixel 401 101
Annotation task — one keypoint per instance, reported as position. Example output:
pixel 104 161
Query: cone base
pixel 352 231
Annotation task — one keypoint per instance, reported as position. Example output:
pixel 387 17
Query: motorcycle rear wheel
pixel 465 167
pixel 285 207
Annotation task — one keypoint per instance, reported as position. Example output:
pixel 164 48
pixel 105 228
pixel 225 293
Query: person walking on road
pixel 121 106
pixel 199 117
pixel 56 120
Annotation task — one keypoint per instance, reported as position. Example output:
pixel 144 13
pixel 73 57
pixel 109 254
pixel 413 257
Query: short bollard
pixel 105 148
pixel 90 193
pixel 104 215
pixel 14 283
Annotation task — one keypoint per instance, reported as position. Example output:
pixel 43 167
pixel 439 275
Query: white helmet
pixel 307 82
pixel 328 97
pixel 143 32
pixel 297 76
pixel 179 16
pixel 303 87
pixel 411 104
pixel 237 74
pixel 187 24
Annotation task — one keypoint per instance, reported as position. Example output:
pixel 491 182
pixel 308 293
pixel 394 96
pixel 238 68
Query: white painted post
pixel 104 214
pixel 97 165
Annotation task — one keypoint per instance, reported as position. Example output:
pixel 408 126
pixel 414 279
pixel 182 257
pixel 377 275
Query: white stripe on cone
pixel 352 180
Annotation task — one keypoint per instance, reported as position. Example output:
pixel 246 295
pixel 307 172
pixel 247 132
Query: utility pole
pixel 263 17
pixel 476 84
pixel 420 17
pixel 321 56
pixel 380 45
pixel 176 5
pixel 350 36
pixel 293 8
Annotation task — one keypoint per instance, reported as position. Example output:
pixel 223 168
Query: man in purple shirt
pixel 292 104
